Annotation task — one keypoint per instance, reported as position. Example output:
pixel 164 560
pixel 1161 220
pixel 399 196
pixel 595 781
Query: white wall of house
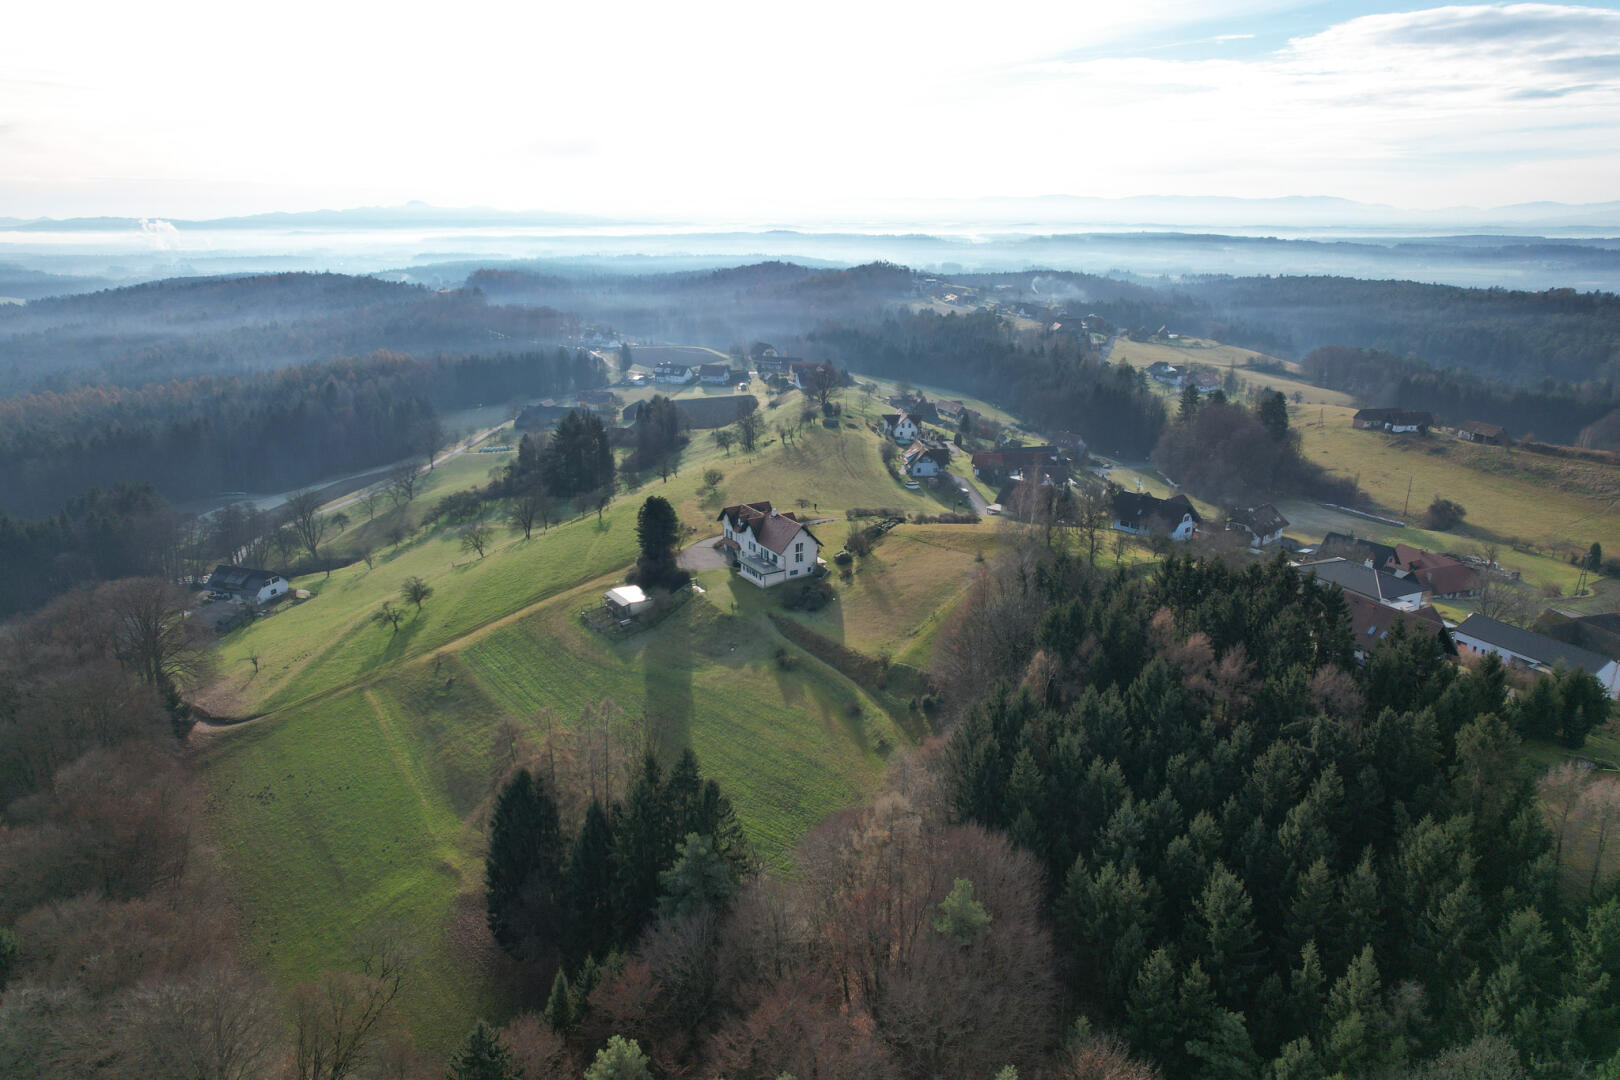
pixel 1608 675
pixel 276 586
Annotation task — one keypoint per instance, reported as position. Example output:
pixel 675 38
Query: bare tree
pixel 529 506
pixel 150 632
pixel 1091 518
pixel 724 438
pixel 388 615
pixel 1599 816
pixel 1506 600
pixel 824 383
pixel 750 426
pixel 370 501
pixel 476 537
pixel 337 1018
pixel 427 437
pixel 214 1024
pixel 402 481
pixel 306 520
pixel 1562 789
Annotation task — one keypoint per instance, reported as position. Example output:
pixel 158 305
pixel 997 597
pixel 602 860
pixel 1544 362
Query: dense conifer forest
pixel 1259 854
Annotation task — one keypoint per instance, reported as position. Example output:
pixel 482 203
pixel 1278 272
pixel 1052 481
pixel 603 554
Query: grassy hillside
pixel 359 793
pixel 1548 503
pixel 1195 351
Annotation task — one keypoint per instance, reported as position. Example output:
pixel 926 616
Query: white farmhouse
pixel 901 427
pixel 922 462
pixel 667 372
pixel 766 546
pixel 253 586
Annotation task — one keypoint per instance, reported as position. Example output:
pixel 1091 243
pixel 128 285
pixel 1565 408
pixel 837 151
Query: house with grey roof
pixel 1263 524
pixel 1538 652
pixel 247 584
pixel 766 546
pixel 1385 588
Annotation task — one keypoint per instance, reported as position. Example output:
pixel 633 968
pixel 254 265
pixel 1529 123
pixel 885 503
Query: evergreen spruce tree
pixel 698 878
pixel 523 870
pixel 1153 1015
pixel 642 847
pixel 1358 1039
pixel 589 887
pixel 1229 938
pixel 560 1005
pixel 482 1057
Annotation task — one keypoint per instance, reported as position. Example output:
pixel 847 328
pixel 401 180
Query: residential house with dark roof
pixel 948 409
pixel 247 584
pixel 1481 432
pixel 1538 652
pixel 766 546
pixel 1139 514
pixel 1398 421
pixel 1371 622
pixel 714 373
pixel 1263 524
pixel 771 365
pixel 1354 548
pixel 1167 374
pixel 924 461
pixel 1444 577
pixel 1379 586
pixel 668 371
pixel 1023 460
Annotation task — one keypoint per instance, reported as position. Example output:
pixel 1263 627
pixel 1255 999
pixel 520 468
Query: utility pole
pixel 1408 503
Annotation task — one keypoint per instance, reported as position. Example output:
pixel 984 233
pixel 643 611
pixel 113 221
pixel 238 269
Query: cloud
pixel 159 233
pixel 1425 107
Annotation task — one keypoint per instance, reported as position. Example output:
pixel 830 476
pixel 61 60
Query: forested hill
pixel 1518 337
pixel 762 300
pixel 202 326
pixel 260 432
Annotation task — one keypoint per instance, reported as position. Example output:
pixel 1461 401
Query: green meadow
pixel 356 794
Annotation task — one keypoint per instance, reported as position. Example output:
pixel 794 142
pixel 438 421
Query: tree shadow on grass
pixel 667 681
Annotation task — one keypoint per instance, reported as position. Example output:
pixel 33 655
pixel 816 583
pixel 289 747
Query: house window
pixel 798 551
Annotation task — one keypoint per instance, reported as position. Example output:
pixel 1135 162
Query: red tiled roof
pixel 771 530
pixel 1439 573
pixel 1370 621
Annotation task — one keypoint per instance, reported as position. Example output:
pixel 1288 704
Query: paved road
pixel 460 448
pixel 975 500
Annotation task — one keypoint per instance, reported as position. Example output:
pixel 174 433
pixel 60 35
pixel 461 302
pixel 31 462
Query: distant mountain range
pixel 1045 214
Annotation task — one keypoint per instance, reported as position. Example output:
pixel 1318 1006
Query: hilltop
pixel 356 792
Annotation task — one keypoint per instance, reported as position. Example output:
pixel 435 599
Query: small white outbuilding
pixel 626 601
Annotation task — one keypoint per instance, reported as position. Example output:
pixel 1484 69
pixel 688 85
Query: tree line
pixel 185 327
pixel 259 432
pixel 1585 413
pixel 1055 383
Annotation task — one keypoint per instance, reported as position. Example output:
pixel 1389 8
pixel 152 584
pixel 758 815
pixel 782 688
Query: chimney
pixel 774 512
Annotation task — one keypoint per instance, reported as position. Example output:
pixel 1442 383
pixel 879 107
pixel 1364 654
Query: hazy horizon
pixel 739 113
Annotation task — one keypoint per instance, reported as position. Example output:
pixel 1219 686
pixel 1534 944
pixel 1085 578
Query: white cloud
pixel 764 110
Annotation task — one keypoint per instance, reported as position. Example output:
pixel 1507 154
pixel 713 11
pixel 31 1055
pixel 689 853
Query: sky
pixel 782 113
